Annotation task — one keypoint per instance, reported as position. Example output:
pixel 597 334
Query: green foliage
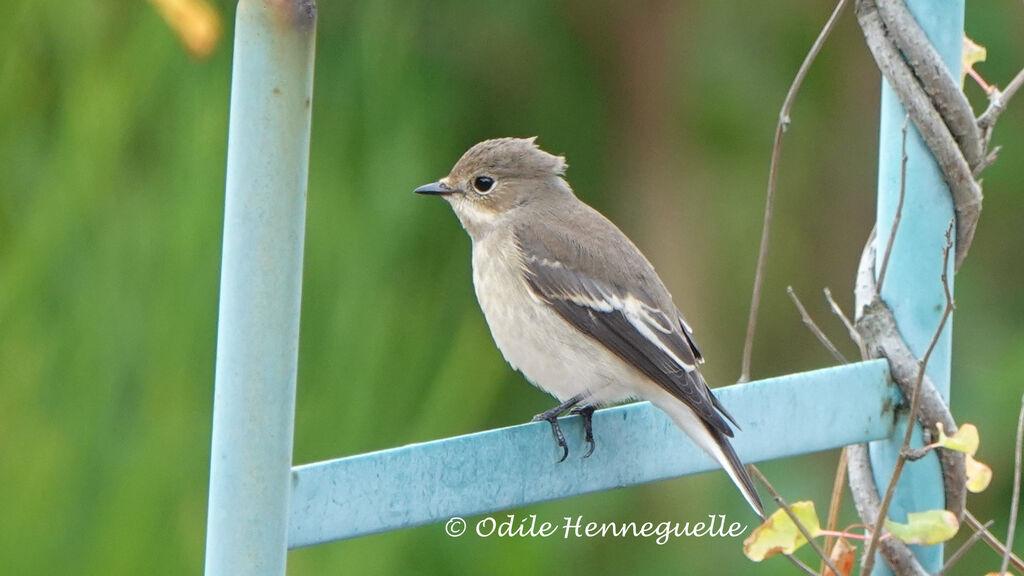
pixel 926 528
pixel 112 141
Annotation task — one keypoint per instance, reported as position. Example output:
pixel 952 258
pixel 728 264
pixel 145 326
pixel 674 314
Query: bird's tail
pixel 717 445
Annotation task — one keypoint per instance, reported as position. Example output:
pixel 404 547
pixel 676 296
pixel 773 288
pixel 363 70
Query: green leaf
pixel 779 534
pixel 965 440
pixel 931 527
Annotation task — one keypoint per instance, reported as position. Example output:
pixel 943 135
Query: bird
pixel 573 304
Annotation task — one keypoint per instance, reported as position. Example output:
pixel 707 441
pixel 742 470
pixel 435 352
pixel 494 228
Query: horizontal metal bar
pixel 637 443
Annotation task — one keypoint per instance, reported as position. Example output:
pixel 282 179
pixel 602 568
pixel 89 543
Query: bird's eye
pixel 483 184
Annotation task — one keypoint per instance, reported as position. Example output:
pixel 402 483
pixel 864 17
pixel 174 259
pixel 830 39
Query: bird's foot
pixel 551 418
pixel 587 413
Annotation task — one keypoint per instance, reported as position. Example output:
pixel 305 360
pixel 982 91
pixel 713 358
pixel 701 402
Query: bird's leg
pixel 587 413
pixel 551 417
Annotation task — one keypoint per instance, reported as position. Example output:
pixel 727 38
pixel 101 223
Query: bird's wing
pixel 617 312
pixel 688 333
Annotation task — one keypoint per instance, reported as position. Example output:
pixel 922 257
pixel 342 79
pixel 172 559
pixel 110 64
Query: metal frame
pixel 912 286
pixel 512 467
pixel 259 506
pixel 261 286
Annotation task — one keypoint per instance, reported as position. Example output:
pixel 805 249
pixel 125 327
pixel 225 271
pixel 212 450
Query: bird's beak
pixel 439 188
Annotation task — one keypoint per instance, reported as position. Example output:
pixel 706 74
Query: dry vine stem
pixel 997 103
pixel 840 476
pixel 833 505
pixel 883 21
pixel 899 210
pixel 813 327
pixel 780 129
pixel 792 516
pixel 959 144
pixel 915 406
pixel 877 327
pixel 1015 502
pixel 955 557
pixel 991 540
pixel 846 322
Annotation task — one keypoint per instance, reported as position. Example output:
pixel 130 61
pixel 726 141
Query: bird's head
pixel 496 177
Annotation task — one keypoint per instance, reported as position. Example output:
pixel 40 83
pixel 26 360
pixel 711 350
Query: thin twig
pixel 854 335
pixel 780 129
pixel 988 88
pixel 964 548
pixel 834 502
pixel 899 211
pixel 998 100
pixel 789 511
pixel 840 476
pixel 1015 502
pixel 796 562
pixel 991 539
pixel 813 327
pixel 915 405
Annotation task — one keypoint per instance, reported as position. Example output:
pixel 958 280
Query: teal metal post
pixel 261 280
pixel 912 285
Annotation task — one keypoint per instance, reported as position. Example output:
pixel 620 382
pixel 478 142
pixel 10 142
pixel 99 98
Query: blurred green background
pixel 112 142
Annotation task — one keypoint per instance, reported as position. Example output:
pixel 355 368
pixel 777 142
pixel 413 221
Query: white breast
pixel 552 354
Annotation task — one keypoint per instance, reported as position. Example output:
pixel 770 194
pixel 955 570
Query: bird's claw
pixel 552 419
pixel 587 413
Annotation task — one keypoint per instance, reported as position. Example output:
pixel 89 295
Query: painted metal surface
pixel 260 506
pixel 261 278
pixel 912 285
pixel 504 468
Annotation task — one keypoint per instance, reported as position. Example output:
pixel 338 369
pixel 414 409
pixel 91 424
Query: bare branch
pixel 931 71
pixel 834 502
pixel 899 211
pixel 854 335
pixel 915 405
pixel 865 498
pixel 955 557
pixel 998 100
pixel 780 129
pixel 991 539
pixel 796 562
pixel 809 322
pixel 956 171
pixel 877 326
pixel 1015 502
pixel 789 511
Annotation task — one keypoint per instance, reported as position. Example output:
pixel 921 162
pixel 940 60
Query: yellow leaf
pixel 973 53
pixel 965 440
pixel 196 22
pixel 779 534
pixel 978 475
pixel 842 557
pixel 931 527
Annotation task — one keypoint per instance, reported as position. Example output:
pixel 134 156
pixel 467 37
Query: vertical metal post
pixel 912 286
pixel 261 282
